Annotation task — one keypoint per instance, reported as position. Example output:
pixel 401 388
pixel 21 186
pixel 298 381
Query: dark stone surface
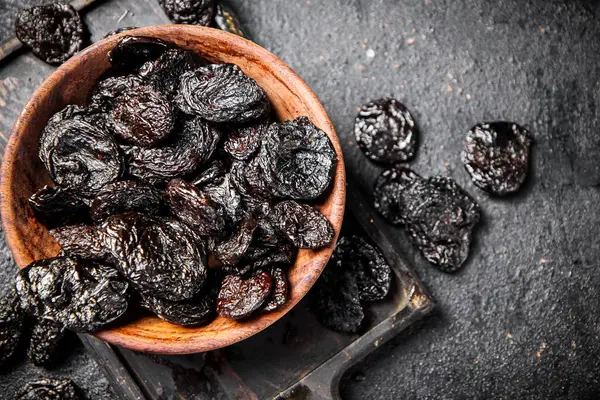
pixel 522 318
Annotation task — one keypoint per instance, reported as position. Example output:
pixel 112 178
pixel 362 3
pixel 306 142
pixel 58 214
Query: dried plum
pixel 197 311
pixel 123 196
pixel 239 297
pixel 11 325
pixel 193 12
pixel 119 30
pixel 83 241
pixel 54 205
pixel 279 294
pixel 211 174
pixel 84 296
pixel 496 155
pixel 45 338
pixel 189 148
pixel 303 225
pixel 109 89
pixel 222 93
pixel 390 190
pixel 251 180
pixel 232 249
pixel 165 72
pixel 131 52
pixel 226 20
pixel 50 389
pixel 224 192
pixel 54 32
pixel 257 256
pixel 385 131
pixel 192 206
pixel 243 142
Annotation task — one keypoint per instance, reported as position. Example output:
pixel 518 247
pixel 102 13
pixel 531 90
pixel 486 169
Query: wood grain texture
pixel 22 174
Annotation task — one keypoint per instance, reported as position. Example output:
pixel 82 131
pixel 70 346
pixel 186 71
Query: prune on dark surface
pixel 240 297
pixel 108 89
pixel 11 325
pixel 165 72
pixel 54 32
pixel 243 142
pixel 131 52
pixel 224 192
pixel 496 155
pixel 385 131
pixel 49 389
pixel 122 196
pixel 119 30
pixel 222 93
pixel 230 250
pixel 193 207
pixel 197 311
pixel 54 205
pixel 368 265
pixel 179 156
pixel 78 155
pixel 213 172
pixel 390 190
pixel 85 241
pixel 226 20
pixel 303 225
pixel 45 338
pixel 279 294
pixel 84 296
pixel 194 12
pixel 142 116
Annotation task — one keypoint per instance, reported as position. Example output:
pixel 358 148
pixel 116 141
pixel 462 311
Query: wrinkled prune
pixel 78 155
pixel 390 190
pixel 54 32
pixel 222 93
pixel 243 142
pixel 194 12
pixel 192 206
pixel 189 148
pixel 227 20
pixel 131 52
pixel 142 116
pixel 107 90
pixel 279 294
pixel 232 249
pixel 303 225
pixel 45 338
pixel 165 72
pixel 211 174
pixel 49 389
pixel 83 241
pixel 239 297
pixel 11 325
pixel 496 155
pixel 54 205
pixel 223 191
pixel 197 311
pixel 257 257
pixel 119 30
pixel 253 179
pixel 81 295
pixel 123 196
pixel 386 132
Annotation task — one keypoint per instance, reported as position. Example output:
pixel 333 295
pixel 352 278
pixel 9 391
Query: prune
pixel 119 30
pixel 78 155
pixel 83 241
pixel 11 325
pixel 189 148
pixel 253 178
pixel 54 205
pixel 385 131
pixel 54 32
pixel 243 142
pixel 390 190
pixel 239 297
pixel 45 338
pixel 223 192
pixel 304 226
pixel 109 89
pixel 123 196
pixel 258 256
pixel 222 93
pixel 227 20
pixel 299 157
pixel 232 249
pixel 194 12
pixel 192 206
pixel 366 262
pixel 165 72
pixel 49 389
pixel 279 294
pixel 84 296
pixel 496 155
pixel 131 52
pixel 213 172
pixel 194 312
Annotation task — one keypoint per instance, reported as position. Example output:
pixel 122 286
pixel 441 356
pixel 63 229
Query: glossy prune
pixel 385 131
pixel 232 249
pixel 193 12
pixel 49 389
pixel 45 339
pixel 165 72
pixel 303 225
pixel 243 142
pixel 123 196
pixel 239 297
pixel 257 256
pixel 131 52
pixel 83 241
pixel 496 155
pixel 224 192
pixel 54 32
pixel 11 325
pixel 109 89
pixel 197 311
pixel 222 93
pixel 212 173
pixel 226 20
pixel 390 190
pixel 54 205
pixel 280 292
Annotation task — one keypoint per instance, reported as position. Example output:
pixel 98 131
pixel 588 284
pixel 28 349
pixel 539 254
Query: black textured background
pixel 522 319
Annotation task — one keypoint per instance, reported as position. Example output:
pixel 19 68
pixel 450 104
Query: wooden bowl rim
pixel 277 69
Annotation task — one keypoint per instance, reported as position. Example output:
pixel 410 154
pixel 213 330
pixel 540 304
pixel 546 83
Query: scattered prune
pixel 54 205
pixel 165 72
pixel 119 30
pixel 189 148
pixel 142 116
pixel 279 294
pixel 227 20
pixel 123 196
pixel 78 155
pixel 222 93
pixel 239 297
pixel 11 325
pixel 386 132
pixel 54 32
pixel 45 338
pixel 390 190
pixel 232 249
pixel 83 241
pixel 192 206
pixel 213 172
pixel 84 296
pixel 223 192
pixel 109 89
pixel 496 155
pixel 131 52
pixel 197 311
pixel 50 389
pixel 194 12
pixel 303 225
pixel 243 142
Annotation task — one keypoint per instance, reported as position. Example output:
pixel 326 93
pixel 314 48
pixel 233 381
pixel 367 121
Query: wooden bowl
pixel 23 174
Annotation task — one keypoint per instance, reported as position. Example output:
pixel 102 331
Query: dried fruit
pixel 390 190
pixel 194 12
pixel 83 241
pixel 54 32
pixel 223 192
pixel 197 311
pixel 123 196
pixel 496 155
pixel 45 339
pixel 279 294
pixel 50 389
pixel 131 52
pixel 304 226
pixel 232 249
pixel 109 89
pixel 11 325
pixel 165 72
pixel 243 142
pixel 239 297
pixel 226 20
pixel 258 256
pixel 385 131
pixel 54 205
pixel 211 174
